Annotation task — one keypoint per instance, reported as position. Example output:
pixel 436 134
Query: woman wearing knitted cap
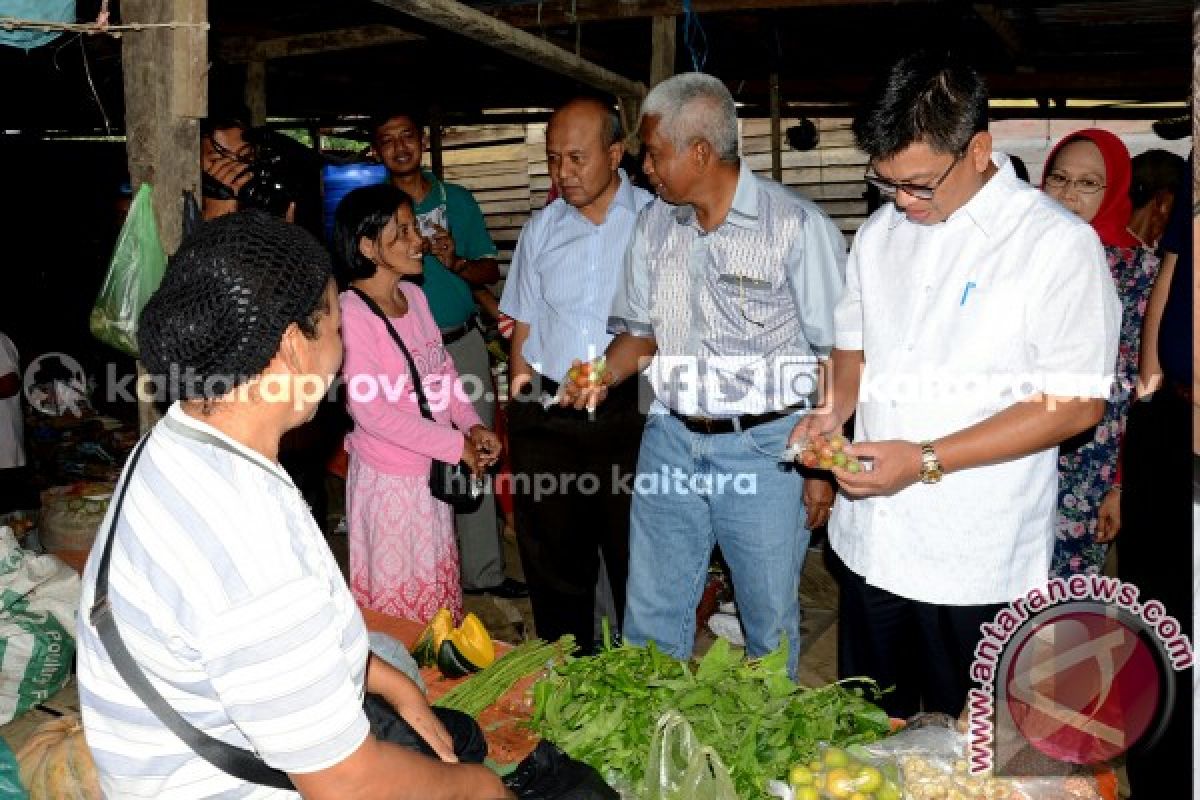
pixel 1090 172
pixel 403 552
pixel 211 605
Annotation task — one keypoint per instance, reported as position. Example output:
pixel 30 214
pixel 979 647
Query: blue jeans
pixel 735 493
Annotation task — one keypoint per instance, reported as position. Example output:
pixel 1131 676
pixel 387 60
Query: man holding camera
pixel 235 175
pixel 460 258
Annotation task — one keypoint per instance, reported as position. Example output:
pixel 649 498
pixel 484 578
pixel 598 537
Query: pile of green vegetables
pixel 603 710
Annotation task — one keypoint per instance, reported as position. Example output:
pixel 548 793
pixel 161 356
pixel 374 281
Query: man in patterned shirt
pixel 729 290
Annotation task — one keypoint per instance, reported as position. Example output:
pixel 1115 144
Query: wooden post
pixel 435 142
pixel 255 92
pixel 166 94
pixel 776 131
pixel 662 49
pixel 630 111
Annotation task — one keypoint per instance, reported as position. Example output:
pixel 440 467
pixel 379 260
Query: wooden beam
pixel 662 49
pixel 466 21
pixel 255 91
pixel 240 49
pixel 555 13
pixel 1144 85
pixel 165 82
pixel 1003 28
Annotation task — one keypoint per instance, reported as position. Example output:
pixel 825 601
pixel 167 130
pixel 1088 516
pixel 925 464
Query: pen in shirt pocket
pixel 966 292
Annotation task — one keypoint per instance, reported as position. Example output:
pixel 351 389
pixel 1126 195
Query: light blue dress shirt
pixel 564 275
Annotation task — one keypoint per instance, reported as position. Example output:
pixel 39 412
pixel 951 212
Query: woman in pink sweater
pixel 403 555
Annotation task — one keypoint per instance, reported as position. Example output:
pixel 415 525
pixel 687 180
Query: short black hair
pixel 383 115
pixel 363 213
pixel 223 115
pixel 1154 171
pixel 924 97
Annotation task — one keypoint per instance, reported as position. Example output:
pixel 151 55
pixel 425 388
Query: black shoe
pixel 509 589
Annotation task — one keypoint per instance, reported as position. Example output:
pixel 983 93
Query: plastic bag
pixel 38 597
pixel 136 269
pixel 931 762
pixel 10 777
pixel 840 773
pixel 680 768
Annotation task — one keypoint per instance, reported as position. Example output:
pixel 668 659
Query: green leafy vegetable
pixel 603 709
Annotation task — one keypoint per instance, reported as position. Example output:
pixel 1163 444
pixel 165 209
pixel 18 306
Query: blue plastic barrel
pixel 338 180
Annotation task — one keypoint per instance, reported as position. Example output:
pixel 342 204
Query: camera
pixel 270 185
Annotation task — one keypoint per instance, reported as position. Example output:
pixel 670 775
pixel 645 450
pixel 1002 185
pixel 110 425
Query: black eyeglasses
pixel 889 189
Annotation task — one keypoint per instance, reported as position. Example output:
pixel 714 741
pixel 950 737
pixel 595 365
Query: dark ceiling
pixel 825 52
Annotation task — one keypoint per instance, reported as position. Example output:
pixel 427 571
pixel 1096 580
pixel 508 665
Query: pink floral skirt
pixel 403 552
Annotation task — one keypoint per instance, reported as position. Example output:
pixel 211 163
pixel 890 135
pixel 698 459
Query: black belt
pixel 731 424
pixel 452 335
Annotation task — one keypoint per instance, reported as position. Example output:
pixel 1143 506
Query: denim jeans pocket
pixel 770 439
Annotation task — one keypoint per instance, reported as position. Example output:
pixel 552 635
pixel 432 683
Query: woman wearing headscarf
pixel 211 590
pixel 1090 173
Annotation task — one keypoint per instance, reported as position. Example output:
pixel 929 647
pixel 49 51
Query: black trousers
pixel 922 650
pixel 572 477
pixel 1154 552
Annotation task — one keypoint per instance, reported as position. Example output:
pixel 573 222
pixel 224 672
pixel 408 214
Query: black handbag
pixel 453 484
pixel 386 725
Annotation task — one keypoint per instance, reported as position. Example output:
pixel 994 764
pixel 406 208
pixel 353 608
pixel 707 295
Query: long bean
pixel 483 688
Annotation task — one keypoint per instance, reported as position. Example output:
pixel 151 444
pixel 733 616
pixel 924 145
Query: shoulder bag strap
pixel 415 376
pixel 235 761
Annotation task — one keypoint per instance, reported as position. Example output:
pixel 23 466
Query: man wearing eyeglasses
pixel 729 286
pixel 978 331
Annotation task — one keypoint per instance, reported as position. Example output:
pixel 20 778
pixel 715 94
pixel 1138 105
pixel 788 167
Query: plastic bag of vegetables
pixel 680 768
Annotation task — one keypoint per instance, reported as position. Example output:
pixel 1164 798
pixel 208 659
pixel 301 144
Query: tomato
pixel 869 779
pixel 825 463
pixel 835 757
pixel 809 459
pixel 800 775
pixel 839 459
pixel 853 465
pixel 838 783
pixel 838 442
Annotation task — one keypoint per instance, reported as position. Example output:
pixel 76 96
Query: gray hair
pixel 693 106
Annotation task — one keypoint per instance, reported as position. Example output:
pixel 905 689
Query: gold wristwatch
pixel 931 468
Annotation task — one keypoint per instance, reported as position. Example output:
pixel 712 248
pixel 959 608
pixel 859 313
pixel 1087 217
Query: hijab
pixel 1112 218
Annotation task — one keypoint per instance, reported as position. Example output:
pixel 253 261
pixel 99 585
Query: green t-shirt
pixel 453 207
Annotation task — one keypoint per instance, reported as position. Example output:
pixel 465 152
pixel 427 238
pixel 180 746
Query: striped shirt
pixel 564 275
pixel 740 314
pixel 228 598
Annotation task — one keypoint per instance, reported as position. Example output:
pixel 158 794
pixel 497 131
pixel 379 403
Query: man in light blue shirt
pixel 729 288
pixel 572 473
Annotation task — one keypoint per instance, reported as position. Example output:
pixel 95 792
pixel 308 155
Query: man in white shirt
pixel 978 330
pixel 565 272
pixel 12 427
